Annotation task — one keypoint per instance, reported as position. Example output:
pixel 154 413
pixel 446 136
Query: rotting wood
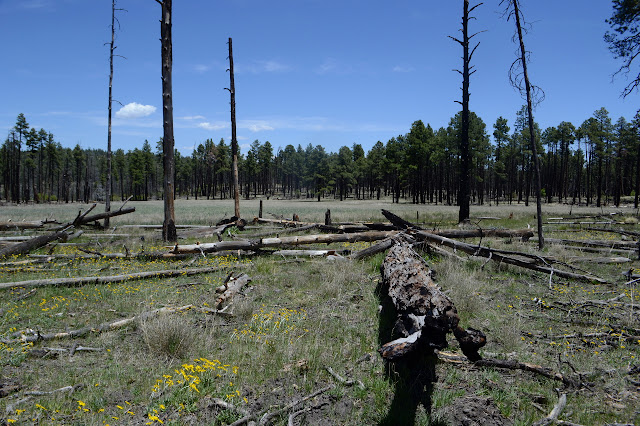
pixel 10 408
pixel 34 243
pixel 424 313
pixel 282 241
pixel 233 287
pixel 166 273
pixel 525 234
pixel 487 252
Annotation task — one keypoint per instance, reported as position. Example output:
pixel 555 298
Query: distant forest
pixel 595 163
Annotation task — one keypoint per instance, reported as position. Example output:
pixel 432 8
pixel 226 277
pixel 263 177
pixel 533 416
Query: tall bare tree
pixel 168 161
pixel 519 77
pixel 112 48
pixel 234 141
pixel 465 155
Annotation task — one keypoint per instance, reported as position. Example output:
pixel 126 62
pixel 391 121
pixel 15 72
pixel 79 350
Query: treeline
pixel 597 162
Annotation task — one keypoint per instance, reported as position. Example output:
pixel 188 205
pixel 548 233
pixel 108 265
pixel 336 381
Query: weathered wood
pixel 372 250
pixel 486 252
pixel 629 245
pixel 282 241
pixel 167 273
pixel 525 234
pixel 512 365
pixel 33 243
pixel 232 287
pixel 616 259
pixel 424 313
pixel 19 226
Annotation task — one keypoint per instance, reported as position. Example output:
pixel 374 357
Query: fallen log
pixel 19 226
pixel 282 241
pixel 36 336
pixel 424 313
pixel 525 234
pixel 231 288
pixel 487 252
pixel 512 365
pixel 372 250
pixel 111 278
pixel 628 245
pixel 601 260
pixel 307 253
pixel 33 243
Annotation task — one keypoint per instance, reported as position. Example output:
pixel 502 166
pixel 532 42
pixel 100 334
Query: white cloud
pixel 329 65
pixel 215 126
pixel 192 117
pixel 399 68
pixel 135 110
pixel 256 125
pixel 201 68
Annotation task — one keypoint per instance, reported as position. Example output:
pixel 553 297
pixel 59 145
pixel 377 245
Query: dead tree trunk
pixel 169 224
pixel 107 206
pixel 424 313
pixel 234 141
pixel 465 156
pixel 517 83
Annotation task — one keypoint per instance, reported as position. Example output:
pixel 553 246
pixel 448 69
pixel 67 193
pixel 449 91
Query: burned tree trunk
pixel 169 225
pixel 424 313
pixel 234 140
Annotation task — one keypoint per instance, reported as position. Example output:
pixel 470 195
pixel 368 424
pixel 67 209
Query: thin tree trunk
pixel 107 206
pixel 534 148
pixel 234 141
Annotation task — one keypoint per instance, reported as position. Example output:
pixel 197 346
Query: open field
pixel 300 316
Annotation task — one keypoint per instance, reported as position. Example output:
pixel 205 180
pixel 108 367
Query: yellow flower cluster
pixel 267 325
pixel 190 378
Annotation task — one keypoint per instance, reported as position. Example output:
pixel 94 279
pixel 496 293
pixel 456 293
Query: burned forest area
pixel 318 313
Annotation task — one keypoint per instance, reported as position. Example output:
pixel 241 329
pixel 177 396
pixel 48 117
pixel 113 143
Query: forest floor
pixel 268 356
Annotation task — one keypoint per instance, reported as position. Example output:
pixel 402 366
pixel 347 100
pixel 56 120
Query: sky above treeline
pixel 329 73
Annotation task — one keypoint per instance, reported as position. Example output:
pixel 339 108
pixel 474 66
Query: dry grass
pixel 299 316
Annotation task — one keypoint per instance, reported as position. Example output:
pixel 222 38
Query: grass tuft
pixel 169 336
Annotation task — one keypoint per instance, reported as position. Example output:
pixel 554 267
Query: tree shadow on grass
pixel 413 375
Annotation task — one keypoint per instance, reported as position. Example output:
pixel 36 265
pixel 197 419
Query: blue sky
pixel 324 72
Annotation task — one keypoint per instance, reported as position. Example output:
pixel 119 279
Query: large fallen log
pixel 424 313
pixel 528 262
pixel 167 273
pixel 282 241
pixel 33 243
pixel 19 226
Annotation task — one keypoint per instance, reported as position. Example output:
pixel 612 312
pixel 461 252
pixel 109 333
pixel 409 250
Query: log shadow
pixel 413 375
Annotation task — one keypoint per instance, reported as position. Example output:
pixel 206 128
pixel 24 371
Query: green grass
pixel 297 317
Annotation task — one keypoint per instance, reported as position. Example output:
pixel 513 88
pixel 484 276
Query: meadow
pixel 300 317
